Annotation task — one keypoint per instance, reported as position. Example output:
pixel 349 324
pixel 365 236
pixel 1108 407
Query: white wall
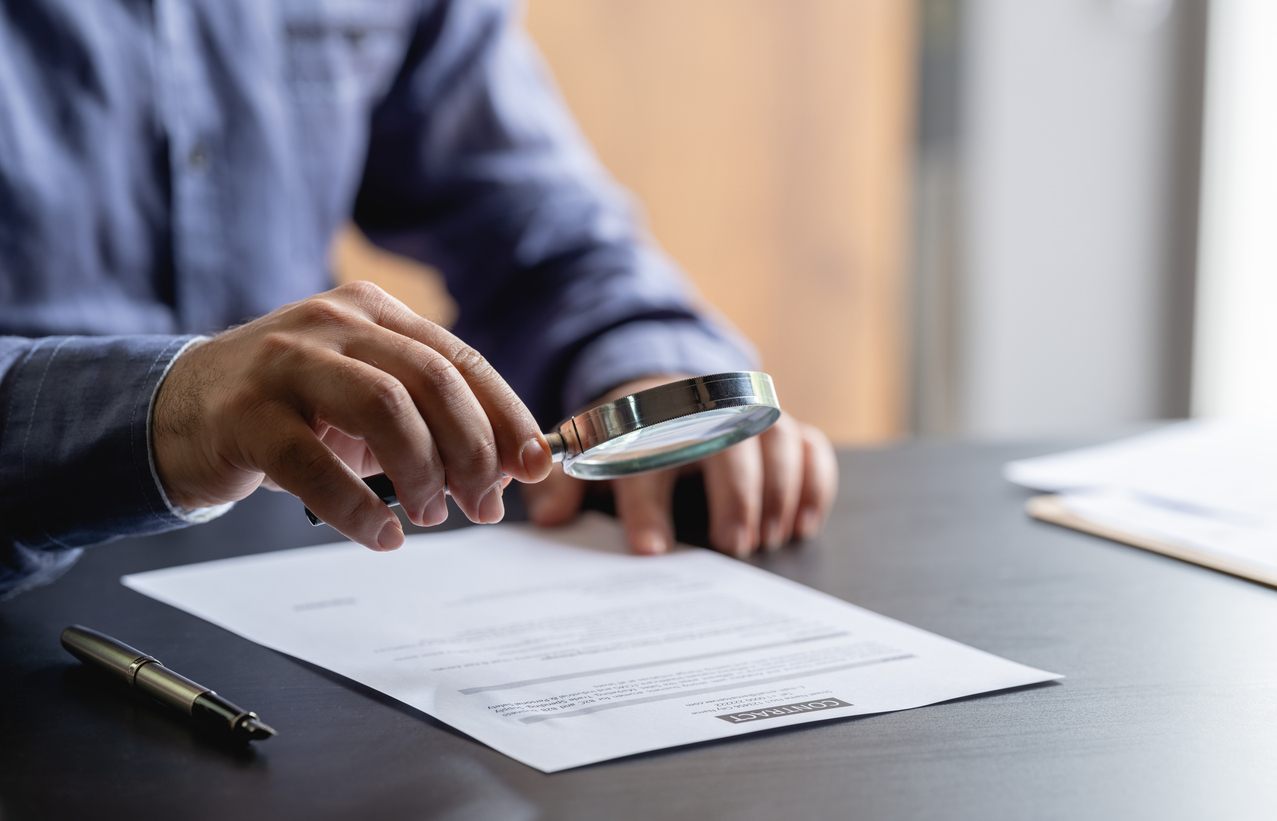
pixel 1235 356
pixel 1067 142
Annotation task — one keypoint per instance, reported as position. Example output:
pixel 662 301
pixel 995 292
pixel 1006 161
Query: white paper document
pixel 1207 486
pixel 1224 468
pixel 559 649
pixel 1255 548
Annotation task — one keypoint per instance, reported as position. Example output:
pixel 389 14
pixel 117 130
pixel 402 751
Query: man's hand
pixel 345 384
pixel 762 492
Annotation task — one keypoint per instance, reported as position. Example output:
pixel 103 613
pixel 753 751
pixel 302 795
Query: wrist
pixel 173 425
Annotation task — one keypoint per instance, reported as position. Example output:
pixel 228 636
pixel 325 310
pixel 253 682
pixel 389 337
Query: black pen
pixel 148 675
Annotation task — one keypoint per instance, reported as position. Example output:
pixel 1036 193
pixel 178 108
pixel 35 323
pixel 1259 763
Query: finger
pixel 820 483
pixel 734 489
pixel 288 452
pixel 458 425
pixel 555 500
pixel 353 451
pixel 362 401
pixel 645 505
pixel 522 449
pixel 782 451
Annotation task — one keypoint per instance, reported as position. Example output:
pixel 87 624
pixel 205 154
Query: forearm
pixel 75 464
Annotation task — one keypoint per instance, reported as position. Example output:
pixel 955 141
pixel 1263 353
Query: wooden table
pixel 1169 709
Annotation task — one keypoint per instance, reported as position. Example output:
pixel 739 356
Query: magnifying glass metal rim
pixel 578 435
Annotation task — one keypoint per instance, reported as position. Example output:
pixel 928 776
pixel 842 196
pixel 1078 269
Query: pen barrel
pixel 162 684
pixel 145 673
pixel 101 651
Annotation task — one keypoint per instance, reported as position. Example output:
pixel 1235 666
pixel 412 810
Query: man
pixel 169 168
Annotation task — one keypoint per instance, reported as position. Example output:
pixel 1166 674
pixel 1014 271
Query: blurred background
pixel 975 218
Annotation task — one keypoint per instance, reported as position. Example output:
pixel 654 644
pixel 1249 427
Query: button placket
pixel 188 110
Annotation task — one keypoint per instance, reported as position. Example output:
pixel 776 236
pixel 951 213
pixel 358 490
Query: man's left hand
pixel 762 492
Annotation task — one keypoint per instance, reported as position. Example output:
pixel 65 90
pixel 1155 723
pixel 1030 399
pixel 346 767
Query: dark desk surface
pixel 1169 709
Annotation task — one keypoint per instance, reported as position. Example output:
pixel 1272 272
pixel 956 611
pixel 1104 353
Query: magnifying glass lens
pixel 672 443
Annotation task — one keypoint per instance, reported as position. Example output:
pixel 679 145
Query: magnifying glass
pixel 654 429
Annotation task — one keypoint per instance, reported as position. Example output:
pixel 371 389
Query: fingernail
pixel 491 508
pixel 808 524
pixel 741 543
pixel 773 535
pixel 536 460
pixel 436 510
pixel 650 543
pixel 391 535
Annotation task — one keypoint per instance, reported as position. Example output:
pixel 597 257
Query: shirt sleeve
pixel 475 167
pixel 75 452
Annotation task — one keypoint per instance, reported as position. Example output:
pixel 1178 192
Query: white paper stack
pixel 1204 491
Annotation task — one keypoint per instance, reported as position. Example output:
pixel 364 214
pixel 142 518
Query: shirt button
pixel 198 156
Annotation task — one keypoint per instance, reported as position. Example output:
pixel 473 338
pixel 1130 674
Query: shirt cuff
pixel 199 515
pixel 647 347
pixel 75 465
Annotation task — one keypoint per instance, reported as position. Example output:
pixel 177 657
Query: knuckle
pixel 429 479
pixel 484 452
pixel 439 370
pixel 293 457
pixel 816 438
pixel 422 475
pixel 782 436
pixel 512 406
pixel 375 303
pixel 477 466
pixel 277 346
pixel 469 360
pixel 362 291
pixel 444 379
pixel 387 398
pixel 278 352
pixel 321 312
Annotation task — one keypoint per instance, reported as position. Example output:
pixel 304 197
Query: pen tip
pixel 255 729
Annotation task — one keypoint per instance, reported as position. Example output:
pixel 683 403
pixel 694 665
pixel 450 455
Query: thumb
pixel 555 500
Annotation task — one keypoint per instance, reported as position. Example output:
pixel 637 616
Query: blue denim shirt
pixel 172 167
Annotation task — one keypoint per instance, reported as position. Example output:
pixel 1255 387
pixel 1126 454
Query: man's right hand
pixel 345 384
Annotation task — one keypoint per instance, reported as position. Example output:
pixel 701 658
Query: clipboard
pixel 1048 508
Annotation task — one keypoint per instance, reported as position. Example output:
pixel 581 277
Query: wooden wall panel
pixel 769 142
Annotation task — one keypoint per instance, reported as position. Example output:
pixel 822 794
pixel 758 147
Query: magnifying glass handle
pixel 385 490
